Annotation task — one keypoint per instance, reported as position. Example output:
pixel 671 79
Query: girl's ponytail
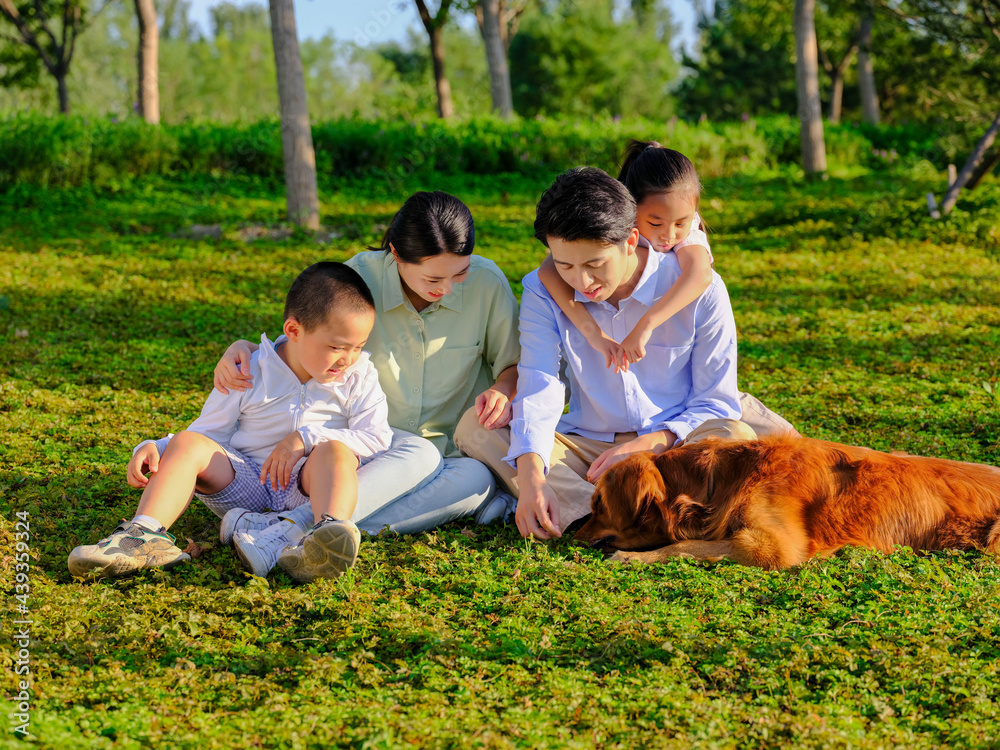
pixel 648 167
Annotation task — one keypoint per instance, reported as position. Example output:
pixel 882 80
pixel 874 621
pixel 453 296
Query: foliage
pixel 745 62
pixel 206 77
pixel 860 320
pixel 577 58
pixel 76 151
pixel 49 29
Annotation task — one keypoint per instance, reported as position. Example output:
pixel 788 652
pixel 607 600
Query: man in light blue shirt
pixel 687 378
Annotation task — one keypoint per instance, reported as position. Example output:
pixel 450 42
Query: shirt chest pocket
pixel 665 362
pixel 451 372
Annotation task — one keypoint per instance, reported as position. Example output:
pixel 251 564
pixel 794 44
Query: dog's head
pixel 645 502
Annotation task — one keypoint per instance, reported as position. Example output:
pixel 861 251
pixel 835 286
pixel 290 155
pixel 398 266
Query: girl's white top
pixel 696 236
pixel 352 410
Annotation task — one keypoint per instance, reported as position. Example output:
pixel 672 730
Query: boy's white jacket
pixel 352 410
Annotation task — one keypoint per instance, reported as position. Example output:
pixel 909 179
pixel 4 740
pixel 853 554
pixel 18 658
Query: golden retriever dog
pixel 778 501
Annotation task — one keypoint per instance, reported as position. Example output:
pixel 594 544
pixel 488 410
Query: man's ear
pixel 293 329
pixel 632 242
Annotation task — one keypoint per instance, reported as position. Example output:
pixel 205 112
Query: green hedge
pixel 69 151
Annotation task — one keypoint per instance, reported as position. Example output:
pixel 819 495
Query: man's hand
pixel 145 460
pixel 654 441
pixel 537 506
pixel 282 460
pixel 538 513
pixel 493 408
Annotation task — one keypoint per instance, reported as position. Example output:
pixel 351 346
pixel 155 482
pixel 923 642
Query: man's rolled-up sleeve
pixel 540 397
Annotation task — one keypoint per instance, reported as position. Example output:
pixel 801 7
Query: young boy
pixel 296 439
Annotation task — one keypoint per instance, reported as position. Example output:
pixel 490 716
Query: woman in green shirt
pixel 445 339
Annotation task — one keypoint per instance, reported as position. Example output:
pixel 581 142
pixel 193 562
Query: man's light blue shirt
pixel 687 376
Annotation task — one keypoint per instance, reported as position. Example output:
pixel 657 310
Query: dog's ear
pixel 629 488
pixel 686 476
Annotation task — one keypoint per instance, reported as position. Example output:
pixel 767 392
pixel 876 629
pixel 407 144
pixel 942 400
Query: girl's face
pixel 665 218
pixel 433 278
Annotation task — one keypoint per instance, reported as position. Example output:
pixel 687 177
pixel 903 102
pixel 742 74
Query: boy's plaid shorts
pixel 246 491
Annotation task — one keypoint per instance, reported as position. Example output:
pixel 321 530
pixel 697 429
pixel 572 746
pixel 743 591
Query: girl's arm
pixel 695 278
pixel 562 293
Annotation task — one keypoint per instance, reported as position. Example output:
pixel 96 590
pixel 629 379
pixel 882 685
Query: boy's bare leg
pixel 190 462
pixel 330 479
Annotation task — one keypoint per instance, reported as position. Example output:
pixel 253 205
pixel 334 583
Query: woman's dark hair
pixel 430 224
pixel 325 289
pixel 585 204
pixel 649 168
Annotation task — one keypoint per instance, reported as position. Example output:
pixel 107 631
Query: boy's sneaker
pixel 326 551
pixel 129 548
pixel 241 519
pixel 259 550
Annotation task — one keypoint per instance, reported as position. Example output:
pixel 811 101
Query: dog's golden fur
pixel 779 501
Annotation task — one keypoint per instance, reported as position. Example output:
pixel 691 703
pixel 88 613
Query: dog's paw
pixel 623 556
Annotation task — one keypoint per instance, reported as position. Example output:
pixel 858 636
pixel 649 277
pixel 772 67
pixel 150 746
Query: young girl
pixel 666 189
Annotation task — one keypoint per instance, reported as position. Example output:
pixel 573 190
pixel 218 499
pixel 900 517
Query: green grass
pixel 860 320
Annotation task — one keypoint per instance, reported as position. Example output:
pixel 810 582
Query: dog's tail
pixel 993 538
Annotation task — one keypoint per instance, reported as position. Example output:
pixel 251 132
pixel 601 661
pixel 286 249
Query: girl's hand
pixel 144 461
pixel 613 353
pixel 634 345
pixel 493 408
pixel 233 370
pixel 282 460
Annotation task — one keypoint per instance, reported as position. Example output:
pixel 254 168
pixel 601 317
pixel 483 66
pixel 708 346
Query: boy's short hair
pixel 585 203
pixel 326 288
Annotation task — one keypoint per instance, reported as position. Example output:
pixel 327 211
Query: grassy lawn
pixel 860 320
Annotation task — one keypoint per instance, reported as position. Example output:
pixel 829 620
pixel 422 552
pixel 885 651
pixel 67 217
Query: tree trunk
pixel 866 74
pixel 990 163
pixel 836 96
pixel 446 110
pixel 63 92
pixel 836 73
pixel 296 135
pixel 149 43
pixel 974 160
pixel 435 30
pixel 807 79
pixel 496 58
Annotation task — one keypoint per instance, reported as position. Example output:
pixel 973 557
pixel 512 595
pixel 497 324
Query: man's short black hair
pixel 585 203
pixel 324 289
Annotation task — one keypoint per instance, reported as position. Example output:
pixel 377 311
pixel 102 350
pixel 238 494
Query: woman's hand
pixel 493 408
pixel 233 370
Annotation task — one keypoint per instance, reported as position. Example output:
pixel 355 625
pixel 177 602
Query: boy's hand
pixel 493 408
pixel 229 373
pixel 282 460
pixel 145 460
pixel 634 345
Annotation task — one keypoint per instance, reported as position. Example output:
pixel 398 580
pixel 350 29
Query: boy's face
pixel 325 352
pixel 665 219
pixel 595 269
